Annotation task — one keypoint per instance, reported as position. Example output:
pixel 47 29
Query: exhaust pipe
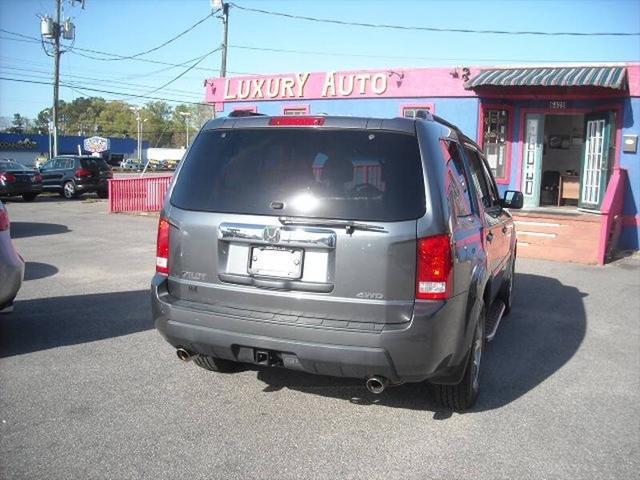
pixel 184 355
pixel 376 384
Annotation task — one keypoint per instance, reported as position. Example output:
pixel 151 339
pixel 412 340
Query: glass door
pixel 532 160
pixel 595 160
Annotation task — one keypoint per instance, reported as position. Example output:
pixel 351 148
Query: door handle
pixel 489 236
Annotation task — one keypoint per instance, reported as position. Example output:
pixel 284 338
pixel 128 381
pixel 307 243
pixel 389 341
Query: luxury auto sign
pixel 295 86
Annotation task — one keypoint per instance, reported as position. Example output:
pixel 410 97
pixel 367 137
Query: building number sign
pixel 557 105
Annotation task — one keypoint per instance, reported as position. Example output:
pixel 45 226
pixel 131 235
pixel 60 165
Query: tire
pixel 69 190
pixel 464 394
pixel 506 291
pixel 29 197
pixel 103 193
pixel 216 364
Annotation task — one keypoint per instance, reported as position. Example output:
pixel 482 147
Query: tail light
pixel 83 172
pixel 7 177
pixel 296 121
pixel 4 219
pixel 434 272
pixel 37 178
pixel 162 247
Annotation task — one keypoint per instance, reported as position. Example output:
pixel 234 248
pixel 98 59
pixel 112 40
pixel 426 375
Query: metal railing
pixel 144 194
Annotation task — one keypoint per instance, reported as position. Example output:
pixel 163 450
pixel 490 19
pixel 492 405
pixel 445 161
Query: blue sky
pixel 127 27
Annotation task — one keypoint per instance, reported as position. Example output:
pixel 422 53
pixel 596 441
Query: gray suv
pixel 368 248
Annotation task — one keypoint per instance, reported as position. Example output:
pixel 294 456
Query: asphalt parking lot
pixel 88 389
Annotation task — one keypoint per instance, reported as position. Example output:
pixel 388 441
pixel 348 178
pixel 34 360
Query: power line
pixel 18 80
pixel 71 77
pixel 172 39
pixel 433 29
pixel 397 57
pixel 77 50
pixel 184 73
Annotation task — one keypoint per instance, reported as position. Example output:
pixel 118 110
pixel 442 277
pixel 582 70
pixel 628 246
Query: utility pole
pixel 56 75
pixel 224 6
pixel 52 29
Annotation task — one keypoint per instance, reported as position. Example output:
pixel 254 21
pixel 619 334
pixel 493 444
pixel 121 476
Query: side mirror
pixel 512 199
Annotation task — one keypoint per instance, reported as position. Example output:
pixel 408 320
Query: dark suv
pixel 72 175
pixel 357 247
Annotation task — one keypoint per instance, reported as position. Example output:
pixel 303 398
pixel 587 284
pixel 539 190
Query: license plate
pixel 276 262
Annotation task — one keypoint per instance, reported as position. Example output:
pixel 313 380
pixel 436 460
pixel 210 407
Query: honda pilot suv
pixel 369 248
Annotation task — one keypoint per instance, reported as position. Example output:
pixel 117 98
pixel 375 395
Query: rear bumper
pixel 431 346
pixel 92 186
pixel 14 190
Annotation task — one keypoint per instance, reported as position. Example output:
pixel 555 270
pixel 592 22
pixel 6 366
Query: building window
pixel 410 111
pixel 296 110
pixel 495 141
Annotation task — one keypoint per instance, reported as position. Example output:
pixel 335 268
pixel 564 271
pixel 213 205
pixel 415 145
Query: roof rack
pixel 445 123
pixel 424 114
pixel 245 113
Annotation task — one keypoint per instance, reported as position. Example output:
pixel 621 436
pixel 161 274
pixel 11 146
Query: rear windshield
pixel 6 166
pixel 333 174
pixel 93 163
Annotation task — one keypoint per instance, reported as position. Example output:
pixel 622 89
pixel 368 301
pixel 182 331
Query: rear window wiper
pixel 349 225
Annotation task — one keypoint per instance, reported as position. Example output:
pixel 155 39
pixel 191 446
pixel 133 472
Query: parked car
pixel 357 247
pixel 18 180
pixel 11 265
pixel 114 159
pixel 132 164
pixel 73 175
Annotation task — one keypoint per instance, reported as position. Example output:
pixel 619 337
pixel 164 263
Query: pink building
pixel 566 136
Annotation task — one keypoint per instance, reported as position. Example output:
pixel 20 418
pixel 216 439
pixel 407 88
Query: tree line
pixel 163 125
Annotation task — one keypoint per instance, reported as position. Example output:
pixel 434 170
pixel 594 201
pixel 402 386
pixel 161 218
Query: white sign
pixel 96 144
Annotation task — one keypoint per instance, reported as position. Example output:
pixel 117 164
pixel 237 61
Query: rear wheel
pixel 69 190
pixel 463 395
pixel 29 197
pixel 216 364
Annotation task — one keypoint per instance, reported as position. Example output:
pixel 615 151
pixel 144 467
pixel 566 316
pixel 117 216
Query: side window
pixel 493 188
pixel 58 163
pixel 47 165
pixel 70 163
pixel 479 179
pixel 456 183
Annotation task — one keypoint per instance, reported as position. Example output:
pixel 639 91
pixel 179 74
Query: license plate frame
pixel 275 262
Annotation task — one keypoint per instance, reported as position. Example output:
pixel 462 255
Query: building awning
pixel 605 77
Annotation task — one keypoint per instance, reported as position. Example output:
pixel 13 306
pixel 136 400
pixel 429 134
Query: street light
pixel 139 131
pixel 186 116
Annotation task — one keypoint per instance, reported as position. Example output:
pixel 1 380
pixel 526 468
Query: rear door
pixel 309 226
pixel 494 217
pixel 49 171
pixel 65 169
